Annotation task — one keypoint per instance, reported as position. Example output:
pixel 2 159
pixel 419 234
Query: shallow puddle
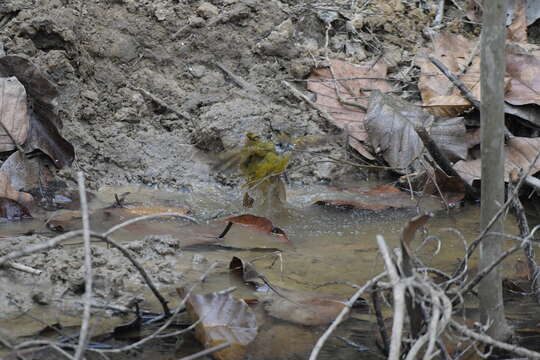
pixel 326 246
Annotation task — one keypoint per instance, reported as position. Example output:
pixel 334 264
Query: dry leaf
pixel 223 318
pixel 522 67
pixel 439 95
pixel 45 124
pixel 259 223
pixel 347 117
pixel 13 113
pixel 520 152
pixel 517 30
pixel 391 126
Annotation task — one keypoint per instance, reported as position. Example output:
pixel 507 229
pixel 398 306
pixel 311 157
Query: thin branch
pixel 146 217
pixel 342 314
pixel 83 337
pixel 518 350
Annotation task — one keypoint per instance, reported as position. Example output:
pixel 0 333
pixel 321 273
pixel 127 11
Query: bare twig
pixel 518 350
pixel 163 104
pixel 399 300
pixel 208 351
pixel 24 268
pixel 166 324
pixel 251 89
pixel 143 273
pixel 524 231
pixel 443 162
pixel 342 314
pixel 83 337
pixel 304 98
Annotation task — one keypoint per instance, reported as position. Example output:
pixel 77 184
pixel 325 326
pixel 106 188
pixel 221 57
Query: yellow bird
pixel 262 162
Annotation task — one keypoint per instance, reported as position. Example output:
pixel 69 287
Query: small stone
pixel 90 95
pixel 207 10
pixel 196 21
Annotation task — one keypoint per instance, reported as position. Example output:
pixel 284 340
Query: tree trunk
pixel 492 191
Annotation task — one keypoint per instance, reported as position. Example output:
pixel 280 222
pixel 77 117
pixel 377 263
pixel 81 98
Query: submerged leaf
pixel 223 318
pixel 303 307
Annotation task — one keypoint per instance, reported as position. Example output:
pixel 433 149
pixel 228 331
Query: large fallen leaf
pixel 390 123
pixel 259 223
pixel 439 95
pixel 519 151
pixel 522 67
pixel 360 77
pixel 223 318
pixel 13 113
pixel 310 308
pixel 45 124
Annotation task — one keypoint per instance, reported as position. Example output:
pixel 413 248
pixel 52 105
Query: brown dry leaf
pixel 409 230
pixel 517 30
pixel 520 152
pixel 439 95
pixel 310 308
pixel 223 318
pixel 348 117
pixel 13 113
pixel 522 67
pixel 45 124
pixel 8 192
pixel 246 271
pixel 391 124
pixel 259 223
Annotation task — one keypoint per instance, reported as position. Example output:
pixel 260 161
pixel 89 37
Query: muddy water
pixel 325 246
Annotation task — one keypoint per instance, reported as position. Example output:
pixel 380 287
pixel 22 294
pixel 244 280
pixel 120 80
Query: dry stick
pixel 342 314
pixel 501 211
pixel 443 162
pixel 144 274
pixel 207 351
pixel 163 104
pixel 304 98
pixel 83 337
pixel 464 91
pixel 257 96
pixel 399 300
pixel 524 231
pixel 529 354
pixel 380 320
pixel 166 324
pixel 24 268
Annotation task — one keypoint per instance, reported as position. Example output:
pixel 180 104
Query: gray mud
pixel 98 52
